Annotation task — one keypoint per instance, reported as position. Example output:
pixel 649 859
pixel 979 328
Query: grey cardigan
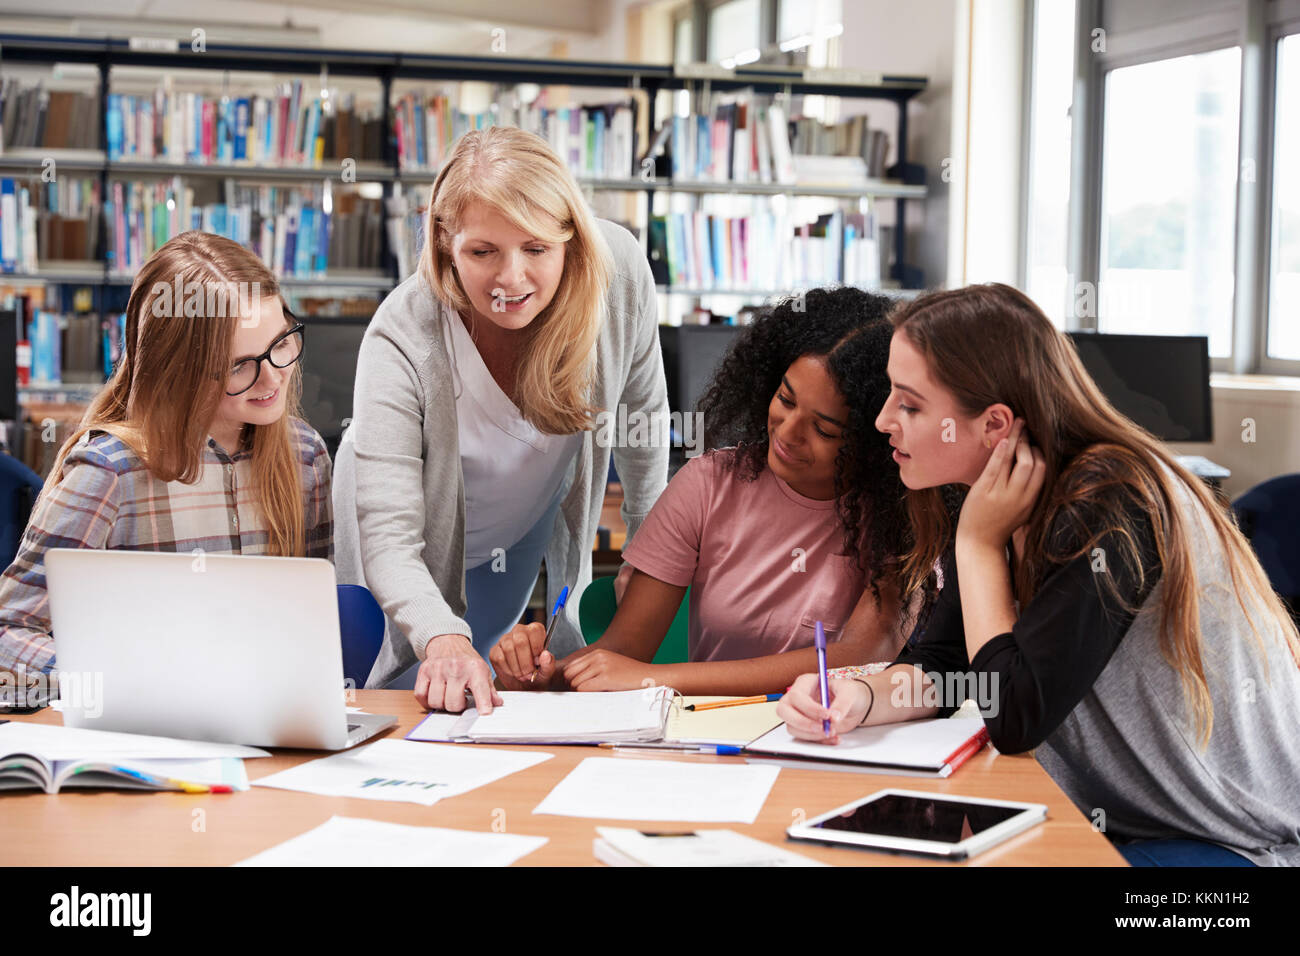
pixel 399 493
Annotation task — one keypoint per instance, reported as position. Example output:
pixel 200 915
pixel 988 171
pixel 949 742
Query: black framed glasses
pixel 284 351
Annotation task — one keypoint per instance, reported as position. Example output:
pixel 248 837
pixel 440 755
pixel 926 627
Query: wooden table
pixel 123 828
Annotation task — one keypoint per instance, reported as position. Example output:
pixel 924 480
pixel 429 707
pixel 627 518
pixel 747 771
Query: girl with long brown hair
pixel 193 445
pixel 1098 602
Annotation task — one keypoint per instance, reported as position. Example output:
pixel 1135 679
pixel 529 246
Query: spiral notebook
pixel 567 717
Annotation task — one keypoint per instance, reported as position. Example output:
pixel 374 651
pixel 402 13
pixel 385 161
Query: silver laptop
pixel 228 648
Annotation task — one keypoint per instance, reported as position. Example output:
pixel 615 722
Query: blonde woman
pixel 473 451
pixel 193 443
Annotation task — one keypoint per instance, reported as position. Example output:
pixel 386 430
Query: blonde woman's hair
pixel 181 318
pixel 1101 469
pixel 517 174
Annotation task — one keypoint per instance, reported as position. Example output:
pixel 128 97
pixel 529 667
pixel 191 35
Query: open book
pixel 48 757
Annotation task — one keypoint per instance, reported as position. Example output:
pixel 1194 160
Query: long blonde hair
pixel 176 357
pixel 991 344
pixel 518 174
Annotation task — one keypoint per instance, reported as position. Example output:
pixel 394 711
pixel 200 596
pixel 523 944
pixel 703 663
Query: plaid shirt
pixel 108 499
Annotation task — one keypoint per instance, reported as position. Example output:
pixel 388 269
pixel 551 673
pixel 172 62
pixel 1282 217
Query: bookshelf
pixel 385 76
pixel 386 68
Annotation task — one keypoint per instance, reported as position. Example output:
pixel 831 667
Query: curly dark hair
pixel 848 328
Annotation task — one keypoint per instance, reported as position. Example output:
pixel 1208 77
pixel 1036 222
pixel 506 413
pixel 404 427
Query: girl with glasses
pixel 194 445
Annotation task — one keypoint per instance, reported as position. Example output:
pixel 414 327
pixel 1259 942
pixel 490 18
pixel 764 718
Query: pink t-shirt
pixel 761 560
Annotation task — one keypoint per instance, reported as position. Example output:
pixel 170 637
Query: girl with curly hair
pixel 800 520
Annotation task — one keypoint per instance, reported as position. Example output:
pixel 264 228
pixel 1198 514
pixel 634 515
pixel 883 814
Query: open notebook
pixel 527 717
pixel 917 747
pixel 733 726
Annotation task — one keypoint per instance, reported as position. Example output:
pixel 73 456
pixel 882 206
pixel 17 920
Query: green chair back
pixel 596 610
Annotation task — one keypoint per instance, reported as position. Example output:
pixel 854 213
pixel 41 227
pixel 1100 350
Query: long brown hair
pixel 176 357
pixel 518 174
pixel 990 344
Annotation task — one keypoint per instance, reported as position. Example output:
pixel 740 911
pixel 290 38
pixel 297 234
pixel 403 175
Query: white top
pixel 512 471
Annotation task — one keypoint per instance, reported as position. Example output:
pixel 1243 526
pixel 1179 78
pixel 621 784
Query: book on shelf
pixel 286 128
pixel 852 137
pixel 33 116
pixel 596 140
pixel 47 221
pixel 406 211
pixel 18 233
pixel 43 333
pixel 738 141
pixel 285 225
pixel 766 250
pixel 742 140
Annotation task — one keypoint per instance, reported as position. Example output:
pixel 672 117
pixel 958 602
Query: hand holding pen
pixel 521 658
pixel 550 629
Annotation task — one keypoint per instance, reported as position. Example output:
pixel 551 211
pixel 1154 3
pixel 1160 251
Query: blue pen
pixel 821 673
pixel 721 750
pixel 555 616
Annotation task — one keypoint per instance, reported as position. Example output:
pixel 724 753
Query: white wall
pixel 988 94
pixel 916 37
pixel 1272 404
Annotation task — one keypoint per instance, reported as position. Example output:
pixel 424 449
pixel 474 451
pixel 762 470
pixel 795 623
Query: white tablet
pixel 930 824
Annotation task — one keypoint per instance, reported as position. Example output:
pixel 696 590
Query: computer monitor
pixel 692 354
pixel 329 371
pixel 1162 382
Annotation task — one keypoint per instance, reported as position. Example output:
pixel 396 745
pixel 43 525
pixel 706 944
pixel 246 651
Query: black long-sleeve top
pixel 1058 647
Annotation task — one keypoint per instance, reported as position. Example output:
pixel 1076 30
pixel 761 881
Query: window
pixel 734 32
pixel 810 31
pixel 809 25
pixel 683 40
pixel 1168 215
pixel 1048 208
pixel 1284 269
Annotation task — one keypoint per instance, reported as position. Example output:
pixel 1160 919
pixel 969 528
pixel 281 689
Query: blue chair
pixel 19 486
pixel 1269 515
pixel 361 625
